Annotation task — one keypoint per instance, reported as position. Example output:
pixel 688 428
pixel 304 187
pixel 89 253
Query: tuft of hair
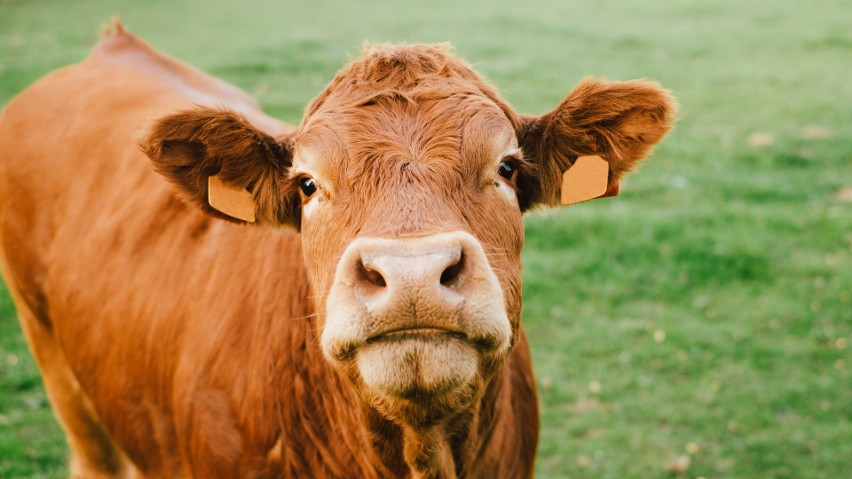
pixel 113 29
pixel 396 68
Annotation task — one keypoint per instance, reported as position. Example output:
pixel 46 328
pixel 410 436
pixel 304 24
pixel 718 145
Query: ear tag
pixel 233 201
pixel 586 179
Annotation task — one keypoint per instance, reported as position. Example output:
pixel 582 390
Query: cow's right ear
pixel 192 146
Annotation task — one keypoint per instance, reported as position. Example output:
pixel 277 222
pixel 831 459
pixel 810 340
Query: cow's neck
pixel 428 453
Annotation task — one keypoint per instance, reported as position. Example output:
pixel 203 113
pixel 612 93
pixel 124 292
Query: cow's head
pixel 408 178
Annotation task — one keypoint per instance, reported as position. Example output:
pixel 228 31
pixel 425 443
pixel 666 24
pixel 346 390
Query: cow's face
pixel 412 235
pixel 408 178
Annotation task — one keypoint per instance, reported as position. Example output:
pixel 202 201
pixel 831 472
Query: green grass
pixel 705 313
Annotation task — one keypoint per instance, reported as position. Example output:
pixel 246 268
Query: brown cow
pixel 368 326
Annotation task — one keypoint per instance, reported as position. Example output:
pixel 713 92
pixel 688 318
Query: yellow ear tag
pixel 233 201
pixel 585 180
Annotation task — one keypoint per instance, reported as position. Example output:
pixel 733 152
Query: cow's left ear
pixel 617 121
pixel 225 166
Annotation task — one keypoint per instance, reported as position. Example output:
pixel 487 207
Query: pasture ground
pixel 699 325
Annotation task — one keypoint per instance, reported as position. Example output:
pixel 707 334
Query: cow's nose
pixel 391 272
pixel 443 266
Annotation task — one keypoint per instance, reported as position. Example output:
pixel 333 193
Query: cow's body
pixel 174 344
pixel 192 337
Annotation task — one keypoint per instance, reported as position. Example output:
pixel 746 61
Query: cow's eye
pixel 506 169
pixel 308 186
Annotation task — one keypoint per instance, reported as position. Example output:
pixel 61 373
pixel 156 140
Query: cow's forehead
pixel 404 111
pixel 469 132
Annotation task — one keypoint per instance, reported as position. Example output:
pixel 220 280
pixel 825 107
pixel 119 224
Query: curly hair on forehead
pixel 412 72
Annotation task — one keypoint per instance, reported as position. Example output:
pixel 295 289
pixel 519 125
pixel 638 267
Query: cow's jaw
pixel 417 323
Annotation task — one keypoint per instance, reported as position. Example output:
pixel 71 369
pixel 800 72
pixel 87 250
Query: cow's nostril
pixel 372 276
pixel 376 278
pixel 451 274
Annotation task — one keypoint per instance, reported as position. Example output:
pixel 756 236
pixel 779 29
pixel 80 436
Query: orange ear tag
pixel 233 201
pixel 586 179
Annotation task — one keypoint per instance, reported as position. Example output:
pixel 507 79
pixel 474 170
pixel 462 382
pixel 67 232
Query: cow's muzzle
pixel 415 315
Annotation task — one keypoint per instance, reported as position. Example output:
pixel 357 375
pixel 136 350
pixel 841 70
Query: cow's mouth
pixel 416 333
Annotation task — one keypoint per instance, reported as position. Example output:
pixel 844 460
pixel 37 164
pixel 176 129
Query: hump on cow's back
pixel 120 48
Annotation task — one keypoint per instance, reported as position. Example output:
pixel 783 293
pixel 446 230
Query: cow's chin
pixel 419 379
pixel 414 366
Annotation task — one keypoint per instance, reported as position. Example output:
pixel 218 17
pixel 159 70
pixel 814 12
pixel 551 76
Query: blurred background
pixel 698 325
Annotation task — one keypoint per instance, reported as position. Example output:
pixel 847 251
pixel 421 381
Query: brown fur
pixel 173 344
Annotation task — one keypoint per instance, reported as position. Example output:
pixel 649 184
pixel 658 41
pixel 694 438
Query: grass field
pixel 699 325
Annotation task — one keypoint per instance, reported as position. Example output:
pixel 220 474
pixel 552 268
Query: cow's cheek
pixel 499 226
pixel 322 247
